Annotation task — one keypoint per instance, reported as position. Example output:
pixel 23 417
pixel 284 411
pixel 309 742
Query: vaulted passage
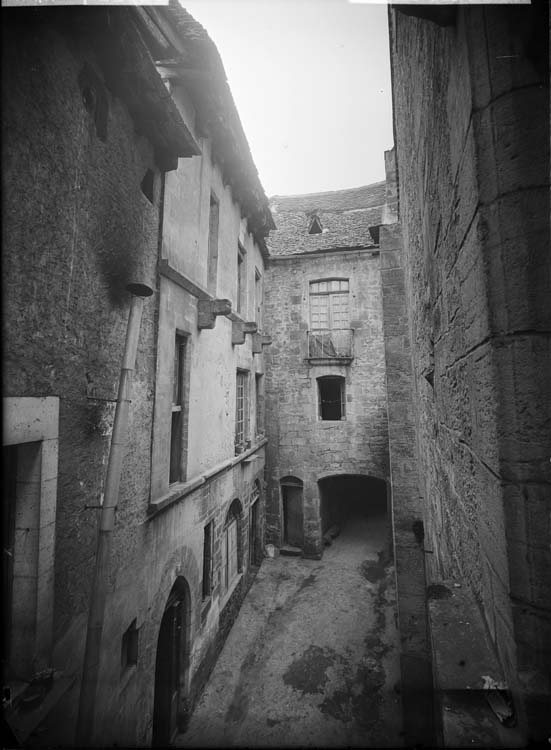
pixel 347 498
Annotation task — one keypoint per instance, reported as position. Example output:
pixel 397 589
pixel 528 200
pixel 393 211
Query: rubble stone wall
pixel 299 443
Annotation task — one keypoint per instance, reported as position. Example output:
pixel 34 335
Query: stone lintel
pixel 209 309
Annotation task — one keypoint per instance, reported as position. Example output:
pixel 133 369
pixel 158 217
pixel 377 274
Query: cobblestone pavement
pixel 312 660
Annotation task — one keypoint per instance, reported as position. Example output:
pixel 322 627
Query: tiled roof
pixel 345 217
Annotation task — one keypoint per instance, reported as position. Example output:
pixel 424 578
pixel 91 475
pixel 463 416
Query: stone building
pixel 325 394
pixel 121 165
pixel 468 254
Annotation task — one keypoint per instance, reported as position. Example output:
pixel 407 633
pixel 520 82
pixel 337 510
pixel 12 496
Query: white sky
pixel 311 81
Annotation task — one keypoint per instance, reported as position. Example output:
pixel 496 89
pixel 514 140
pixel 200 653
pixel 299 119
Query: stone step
pixel 290 551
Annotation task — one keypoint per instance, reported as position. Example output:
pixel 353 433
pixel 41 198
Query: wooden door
pixel 292 515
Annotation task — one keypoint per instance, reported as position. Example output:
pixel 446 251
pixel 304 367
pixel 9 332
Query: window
pixel 330 335
pixel 213 244
pixel 148 184
pixel 331 398
pixel 129 647
pixel 329 304
pixel 242 411
pixel 94 99
pixel 255 551
pixel 259 398
pixel 208 538
pixel 315 225
pixel 179 417
pixel 231 553
pixel 258 295
pixel 241 280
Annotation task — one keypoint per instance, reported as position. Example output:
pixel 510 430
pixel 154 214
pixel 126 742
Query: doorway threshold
pixel 289 551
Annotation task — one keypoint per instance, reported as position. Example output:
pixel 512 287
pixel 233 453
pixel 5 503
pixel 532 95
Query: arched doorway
pixel 292 512
pixel 171 665
pixel 354 502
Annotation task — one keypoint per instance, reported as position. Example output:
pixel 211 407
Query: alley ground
pixel 312 660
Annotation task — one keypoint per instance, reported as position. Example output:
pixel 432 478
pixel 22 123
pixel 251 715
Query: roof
pixel 198 64
pixel 345 216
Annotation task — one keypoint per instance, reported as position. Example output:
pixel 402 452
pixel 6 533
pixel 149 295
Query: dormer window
pixel 315 225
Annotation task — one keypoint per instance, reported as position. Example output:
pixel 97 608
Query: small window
pixel 231 546
pixel 331 398
pixel 208 537
pixel 315 225
pixel 148 185
pixel 241 280
pixel 94 99
pixel 213 244
pixel 259 296
pixel 179 416
pixel 259 396
pixel 129 647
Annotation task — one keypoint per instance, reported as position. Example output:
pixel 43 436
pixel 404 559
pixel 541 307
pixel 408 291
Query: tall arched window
pixel 231 546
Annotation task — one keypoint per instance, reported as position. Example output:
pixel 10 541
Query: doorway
pixel 171 666
pixel 291 498
pixel 355 505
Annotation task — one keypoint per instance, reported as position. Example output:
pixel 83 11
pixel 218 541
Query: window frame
pixel 259 404
pixel 324 379
pixel 242 404
pixel 213 242
pixel 208 561
pixel 332 296
pixel 179 409
pixel 258 296
pixel 231 551
pixel 241 300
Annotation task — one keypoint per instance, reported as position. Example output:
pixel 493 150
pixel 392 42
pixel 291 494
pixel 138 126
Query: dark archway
pixel 347 497
pixel 171 666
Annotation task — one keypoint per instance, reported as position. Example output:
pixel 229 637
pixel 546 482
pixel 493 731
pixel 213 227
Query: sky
pixel 311 82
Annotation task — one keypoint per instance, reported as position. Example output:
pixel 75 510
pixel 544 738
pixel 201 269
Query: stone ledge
pixel 463 655
pixel 179 491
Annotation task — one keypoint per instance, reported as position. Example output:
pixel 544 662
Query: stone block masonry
pixel 471 121
pixel 300 444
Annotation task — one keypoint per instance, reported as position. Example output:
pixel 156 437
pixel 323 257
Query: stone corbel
pixel 209 309
pixel 240 329
pixel 260 340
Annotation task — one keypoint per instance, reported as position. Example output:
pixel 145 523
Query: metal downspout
pixel 87 702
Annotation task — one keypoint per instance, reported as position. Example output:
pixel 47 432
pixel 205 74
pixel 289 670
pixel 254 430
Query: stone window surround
pixel 36 420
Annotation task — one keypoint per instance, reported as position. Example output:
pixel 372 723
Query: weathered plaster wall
pixel 76 229
pixel 300 444
pixel 471 119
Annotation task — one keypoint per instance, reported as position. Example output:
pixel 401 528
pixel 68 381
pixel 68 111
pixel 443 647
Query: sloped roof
pixel 345 216
pixel 202 71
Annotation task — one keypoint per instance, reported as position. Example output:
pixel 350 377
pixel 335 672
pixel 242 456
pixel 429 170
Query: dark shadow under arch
pixel 345 496
pixel 172 665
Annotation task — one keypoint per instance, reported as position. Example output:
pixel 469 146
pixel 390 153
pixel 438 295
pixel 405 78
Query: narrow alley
pixel 312 659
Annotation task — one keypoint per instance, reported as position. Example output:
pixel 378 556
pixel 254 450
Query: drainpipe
pixel 86 709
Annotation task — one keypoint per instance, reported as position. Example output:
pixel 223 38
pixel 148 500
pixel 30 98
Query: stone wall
pixel 300 444
pixel 77 228
pixel 471 124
